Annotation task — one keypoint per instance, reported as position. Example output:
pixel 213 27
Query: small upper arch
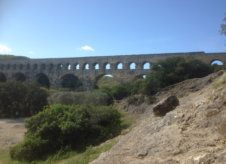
pixel 132 66
pixel 50 66
pixel 107 66
pixel 119 65
pixel 8 66
pixel 146 65
pixel 60 66
pixel 43 66
pixel 76 66
pixel 21 66
pixel 86 66
pixel 35 66
pixel 96 66
pixel 68 66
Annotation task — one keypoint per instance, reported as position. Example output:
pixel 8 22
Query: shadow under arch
pixel 42 80
pixel 19 77
pixel 2 77
pixel 70 81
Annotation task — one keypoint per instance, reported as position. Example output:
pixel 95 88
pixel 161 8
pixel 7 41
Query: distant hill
pixel 11 57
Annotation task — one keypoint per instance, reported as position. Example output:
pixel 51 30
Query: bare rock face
pixel 166 105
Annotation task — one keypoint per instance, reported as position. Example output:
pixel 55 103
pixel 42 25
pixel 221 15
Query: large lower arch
pixel 217 62
pixel 2 77
pixel 217 65
pixel 70 81
pixel 19 77
pixel 106 81
pixel 42 80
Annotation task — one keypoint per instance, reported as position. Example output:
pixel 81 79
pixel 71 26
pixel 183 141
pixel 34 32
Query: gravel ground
pixel 11 132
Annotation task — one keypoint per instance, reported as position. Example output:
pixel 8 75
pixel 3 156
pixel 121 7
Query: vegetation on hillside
pixel 74 120
pixel 95 97
pixel 61 127
pixel 21 100
pixel 162 74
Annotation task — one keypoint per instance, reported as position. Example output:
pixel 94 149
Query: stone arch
pixel 106 80
pixel 76 66
pixel 2 77
pixel 96 66
pixel 70 81
pixel 28 66
pixel 43 66
pixel 146 65
pixel 86 66
pixel 8 66
pixel 217 62
pixel 21 66
pixel 60 66
pixel 14 66
pixel 35 66
pixel 107 66
pixel 50 66
pixel 19 77
pixel 68 66
pixel 42 80
pixel 132 66
pixel 119 65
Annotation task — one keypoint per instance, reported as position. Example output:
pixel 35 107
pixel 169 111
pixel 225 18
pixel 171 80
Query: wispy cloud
pixel 4 49
pixel 87 48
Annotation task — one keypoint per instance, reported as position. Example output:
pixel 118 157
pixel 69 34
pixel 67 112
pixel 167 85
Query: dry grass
pixel 219 82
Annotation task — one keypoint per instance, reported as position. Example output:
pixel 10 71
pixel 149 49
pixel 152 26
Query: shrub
pixel 118 92
pixel 79 98
pixel 61 126
pixel 20 100
pixel 174 70
pixel 136 100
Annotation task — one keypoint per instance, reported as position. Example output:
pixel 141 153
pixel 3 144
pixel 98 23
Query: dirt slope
pixel 195 132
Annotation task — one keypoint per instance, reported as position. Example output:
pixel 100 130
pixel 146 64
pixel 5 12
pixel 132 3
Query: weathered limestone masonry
pixel 89 69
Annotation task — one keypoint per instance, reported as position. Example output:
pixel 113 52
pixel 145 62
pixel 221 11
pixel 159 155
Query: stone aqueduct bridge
pixel 89 69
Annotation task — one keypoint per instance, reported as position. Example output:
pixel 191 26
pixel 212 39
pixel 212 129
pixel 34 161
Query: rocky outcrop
pixel 166 105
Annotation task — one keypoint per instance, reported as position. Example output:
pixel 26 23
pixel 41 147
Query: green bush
pixel 174 70
pixel 21 100
pixel 136 100
pixel 63 126
pixel 118 92
pixel 78 98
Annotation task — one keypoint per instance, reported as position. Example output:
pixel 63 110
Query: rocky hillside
pixel 194 132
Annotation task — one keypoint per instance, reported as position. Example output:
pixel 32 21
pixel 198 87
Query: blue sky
pixel 71 28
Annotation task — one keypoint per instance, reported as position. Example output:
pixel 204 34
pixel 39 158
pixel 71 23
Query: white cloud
pixel 87 48
pixel 5 49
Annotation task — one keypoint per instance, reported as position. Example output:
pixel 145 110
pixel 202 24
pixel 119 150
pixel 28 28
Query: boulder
pixel 166 105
